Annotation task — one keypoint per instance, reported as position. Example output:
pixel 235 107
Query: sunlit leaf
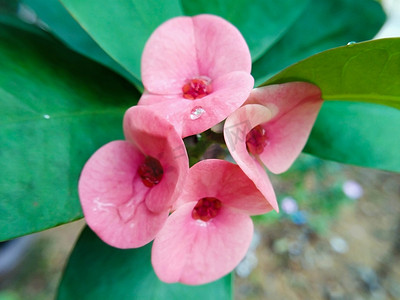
pixel 367 72
pixel 323 25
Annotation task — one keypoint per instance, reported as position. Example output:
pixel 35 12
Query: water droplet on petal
pixel 351 44
pixel 197 112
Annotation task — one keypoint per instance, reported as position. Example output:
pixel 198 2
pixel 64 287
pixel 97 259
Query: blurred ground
pixel 39 272
pixel 357 257
pixel 340 248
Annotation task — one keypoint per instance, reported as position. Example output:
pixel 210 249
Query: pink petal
pixel 220 47
pixel 169 57
pixel 229 93
pixel 156 137
pixel 296 106
pixel 226 182
pixel 113 201
pixel 184 48
pixel 281 98
pixel 236 128
pixel 197 252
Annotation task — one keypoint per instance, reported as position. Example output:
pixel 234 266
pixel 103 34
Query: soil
pixel 295 262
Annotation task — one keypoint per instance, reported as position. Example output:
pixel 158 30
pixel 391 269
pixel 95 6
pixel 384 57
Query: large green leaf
pixel 368 72
pixel 98 271
pixel 56 108
pixel 323 25
pixel 261 22
pixel 62 25
pixel 122 27
pixel 363 134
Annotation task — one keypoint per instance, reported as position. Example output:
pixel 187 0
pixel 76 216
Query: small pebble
pixel 352 189
pixel 339 245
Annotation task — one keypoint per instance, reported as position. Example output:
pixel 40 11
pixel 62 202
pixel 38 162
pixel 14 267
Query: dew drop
pixel 351 44
pixel 197 112
pixel 46 116
pixel 26 14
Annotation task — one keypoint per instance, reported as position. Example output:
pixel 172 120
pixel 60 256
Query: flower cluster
pixel 196 73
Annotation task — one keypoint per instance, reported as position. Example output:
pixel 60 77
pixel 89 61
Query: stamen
pixel 256 140
pixel 151 172
pixel 206 209
pixel 197 88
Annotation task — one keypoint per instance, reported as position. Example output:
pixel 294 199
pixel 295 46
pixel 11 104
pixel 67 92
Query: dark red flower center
pixel 206 209
pixel 256 140
pixel 197 88
pixel 150 171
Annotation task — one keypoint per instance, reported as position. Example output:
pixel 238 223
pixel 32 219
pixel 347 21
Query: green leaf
pixel 367 72
pixel 8 7
pixel 261 22
pixel 98 271
pixel 362 134
pixel 64 27
pixel 323 25
pixel 56 108
pixel 122 27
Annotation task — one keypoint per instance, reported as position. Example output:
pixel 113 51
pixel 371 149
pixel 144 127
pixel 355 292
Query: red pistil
pixel 150 171
pixel 197 88
pixel 256 140
pixel 206 209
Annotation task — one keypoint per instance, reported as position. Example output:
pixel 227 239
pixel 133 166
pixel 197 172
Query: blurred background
pixel 337 236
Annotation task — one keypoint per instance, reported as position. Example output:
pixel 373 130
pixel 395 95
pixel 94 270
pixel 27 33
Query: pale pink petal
pixel 156 137
pixel 295 106
pixel 281 98
pixel 220 47
pixel 113 201
pixel 195 116
pixel 174 109
pixel 226 182
pixel 236 128
pixel 169 57
pixel 184 48
pixel 197 252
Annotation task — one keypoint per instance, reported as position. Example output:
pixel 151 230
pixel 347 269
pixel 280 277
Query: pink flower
pixel 211 229
pixel 196 71
pixel 271 129
pixel 127 188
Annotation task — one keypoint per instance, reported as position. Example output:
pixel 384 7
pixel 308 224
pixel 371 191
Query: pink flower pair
pixel 196 72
